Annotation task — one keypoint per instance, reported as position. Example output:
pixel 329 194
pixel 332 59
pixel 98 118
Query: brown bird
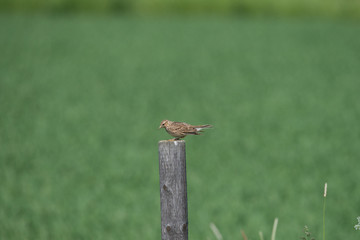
pixel 181 129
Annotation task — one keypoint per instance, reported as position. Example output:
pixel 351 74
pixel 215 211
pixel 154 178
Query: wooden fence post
pixel 173 192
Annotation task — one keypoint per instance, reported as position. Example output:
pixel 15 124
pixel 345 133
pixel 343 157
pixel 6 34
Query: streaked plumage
pixel 181 129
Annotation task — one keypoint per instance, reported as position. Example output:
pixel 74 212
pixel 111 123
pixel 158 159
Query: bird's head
pixel 163 124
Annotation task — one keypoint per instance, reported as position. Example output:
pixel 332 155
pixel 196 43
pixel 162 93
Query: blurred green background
pixel 338 8
pixel 82 95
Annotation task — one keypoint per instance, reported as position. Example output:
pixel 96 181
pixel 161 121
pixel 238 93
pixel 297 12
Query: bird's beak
pixel 160 127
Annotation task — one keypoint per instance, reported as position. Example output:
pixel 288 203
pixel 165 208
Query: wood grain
pixel 173 190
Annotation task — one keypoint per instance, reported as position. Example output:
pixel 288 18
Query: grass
pixel 81 98
pixel 357 226
pixel 324 210
pixel 218 235
pixel 307 234
pixel 324 8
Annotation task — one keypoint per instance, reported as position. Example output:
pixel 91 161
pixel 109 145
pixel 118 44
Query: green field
pixel 81 98
pixel 349 9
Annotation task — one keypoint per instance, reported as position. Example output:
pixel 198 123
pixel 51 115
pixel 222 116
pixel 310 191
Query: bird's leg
pixel 174 139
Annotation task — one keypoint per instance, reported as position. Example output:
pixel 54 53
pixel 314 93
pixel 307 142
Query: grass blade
pixel 261 235
pixel 216 231
pixel 243 235
pixel 274 228
pixel 325 191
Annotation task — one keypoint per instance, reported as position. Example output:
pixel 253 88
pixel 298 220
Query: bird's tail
pixel 201 127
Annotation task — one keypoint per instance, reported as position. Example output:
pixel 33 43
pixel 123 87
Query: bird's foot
pixel 174 139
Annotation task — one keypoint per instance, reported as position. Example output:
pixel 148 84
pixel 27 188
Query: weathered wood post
pixel 173 192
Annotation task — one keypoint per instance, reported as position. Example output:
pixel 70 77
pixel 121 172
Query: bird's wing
pixel 177 126
pixel 189 129
pixel 182 127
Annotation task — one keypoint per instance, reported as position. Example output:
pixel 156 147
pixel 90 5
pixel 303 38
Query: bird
pixel 181 129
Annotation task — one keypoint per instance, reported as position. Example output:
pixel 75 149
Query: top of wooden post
pixel 170 141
